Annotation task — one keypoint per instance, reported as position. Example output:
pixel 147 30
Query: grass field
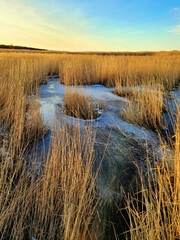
pixel 56 199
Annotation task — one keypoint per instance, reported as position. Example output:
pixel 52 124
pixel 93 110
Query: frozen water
pixel 117 142
pixel 52 99
pixel 170 117
pixel 123 140
pixel 110 129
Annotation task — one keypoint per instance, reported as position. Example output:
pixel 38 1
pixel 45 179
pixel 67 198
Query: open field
pixel 54 192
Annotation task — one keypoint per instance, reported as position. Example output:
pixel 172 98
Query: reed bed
pixel 52 200
pixel 64 194
pixel 78 106
pixel 154 211
pixel 56 199
pixel 120 70
pixel 145 107
pixel 21 74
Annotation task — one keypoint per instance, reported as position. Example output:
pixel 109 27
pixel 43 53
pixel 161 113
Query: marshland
pixel 89 145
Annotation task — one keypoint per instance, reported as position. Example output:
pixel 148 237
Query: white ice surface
pixel 52 100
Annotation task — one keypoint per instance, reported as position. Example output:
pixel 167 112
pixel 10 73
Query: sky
pixel 91 25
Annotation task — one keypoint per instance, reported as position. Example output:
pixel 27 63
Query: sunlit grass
pixel 145 107
pixel 58 202
pixel 78 106
pixel 154 211
pixel 120 70
pixel 56 198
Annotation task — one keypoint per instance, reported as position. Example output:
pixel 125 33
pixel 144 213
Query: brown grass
pixel 154 211
pixel 64 194
pixel 59 202
pixel 57 199
pixel 120 70
pixel 144 108
pixel 76 105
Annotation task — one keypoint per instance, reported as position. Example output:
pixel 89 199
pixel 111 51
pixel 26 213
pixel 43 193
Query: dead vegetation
pixel 145 108
pixel 59 202
pixel 78 106
pixel 154 211
pixel 56 200
pixel 120 70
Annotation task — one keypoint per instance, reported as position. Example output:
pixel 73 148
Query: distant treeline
pixel 113 53
pixel 7 48
pixel 19 47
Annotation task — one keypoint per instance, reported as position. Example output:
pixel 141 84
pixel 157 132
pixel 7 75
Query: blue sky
pixel 116 25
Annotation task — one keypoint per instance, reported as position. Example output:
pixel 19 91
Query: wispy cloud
pixel 89 25
pixel 175 12
pixel 59 27
pixel 176 15
pixel 176 29
pixel 19 14
pixel 176 9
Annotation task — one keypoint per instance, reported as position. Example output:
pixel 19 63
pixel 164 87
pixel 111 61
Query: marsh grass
pixel 65 194
pixel 78 106
pixel 56 199
pixel 145 107
pixel 120 70
pixel 154 211
pixel 59 202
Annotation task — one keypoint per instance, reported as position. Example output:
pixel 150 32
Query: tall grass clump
pixel 78 106
pixel 154 212
pixel 55 200
pixel 144 107
pixel 63 198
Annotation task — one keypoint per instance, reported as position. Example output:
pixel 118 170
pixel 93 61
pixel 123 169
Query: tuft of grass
pixel 64 196
pixel 154 211
pixel 144 108
pixel 56 202
pixel 76 105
